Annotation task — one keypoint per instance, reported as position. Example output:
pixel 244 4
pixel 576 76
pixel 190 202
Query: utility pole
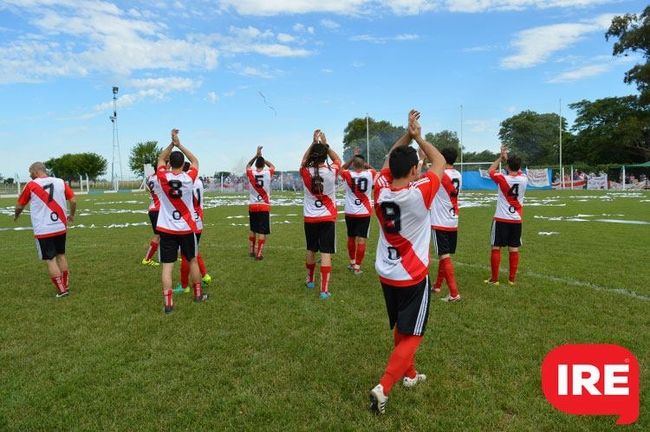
pixel 116 144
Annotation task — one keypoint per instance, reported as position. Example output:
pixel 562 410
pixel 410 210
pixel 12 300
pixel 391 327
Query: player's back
pixel 320 193
pixel 176 194
pixel 511 189
pixel 47 197
pixel 358 191
pixel 445 210
pixel 259 188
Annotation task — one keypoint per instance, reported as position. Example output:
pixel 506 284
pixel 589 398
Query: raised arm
pixel 432 154
pixel 502 157
pixel 258 153
pixel 177 142
pixel 348 163
pixel 269 164
pixel 164 155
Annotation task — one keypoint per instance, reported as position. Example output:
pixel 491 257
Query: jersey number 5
pixel 392 217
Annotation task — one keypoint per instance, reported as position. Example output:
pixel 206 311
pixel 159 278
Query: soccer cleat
pixel 63 294
pixel 151 263
pixel 435 289
pixel 450 299
pixel 206 279
pixel 259 258
pixel 491 282
pixel 357 271
pixel 412 382
pixel 324 295
pixel 511 282
pixel 168 309
pixel 378 399
pixel 310 285
pixel 350 267
pixel 200 299
pixel 179 289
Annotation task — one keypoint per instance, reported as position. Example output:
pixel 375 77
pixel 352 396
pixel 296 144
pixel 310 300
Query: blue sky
pixel 203 66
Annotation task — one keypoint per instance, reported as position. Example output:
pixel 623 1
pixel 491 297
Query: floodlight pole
pixel 116 141
pixel 460 149
pixel 367 139
pixel 561 167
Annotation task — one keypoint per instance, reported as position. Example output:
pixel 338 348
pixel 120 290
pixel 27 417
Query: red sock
pixel 400 361
pixel 58 284
pixel 153 247
pixel 66 281
pixel 397 338
pixel 352 245
pixel 260 247
pixel 198 289
pixel 441 275
pixel 361 253
pixel 325 278
pixel 311 269
pixel 202 269
pixel 449 276
pixel 496 262
pixel 251 244
pixel 185 272
pixel 169 298
pixel 514 263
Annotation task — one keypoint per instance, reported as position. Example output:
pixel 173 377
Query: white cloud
pixel 358 64
pixel 212 97
pixel 285 38
pixel 481 48
pixel 327 71
pixel 329 24
pixel 168 83
pixel 538 44
pixel 384 39
pixel 581 73
pixel 262 71
pixel 247 40
pixel 280 7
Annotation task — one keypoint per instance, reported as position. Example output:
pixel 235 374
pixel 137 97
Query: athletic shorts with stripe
pixel 408 307
pixel 49 247
pixel 153 217
pixel 170 243
pixel 505 234
pixel 357 226
pixel 445 241
pixel 321 237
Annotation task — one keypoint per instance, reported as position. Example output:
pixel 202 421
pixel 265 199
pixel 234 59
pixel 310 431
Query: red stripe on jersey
pixel 178 204
pixel 451 191
pixel 52 205
pixel 259 189
pixel 501 181
pixel 326 200
pixel 361 196
pixel 197 207
pixel 410 261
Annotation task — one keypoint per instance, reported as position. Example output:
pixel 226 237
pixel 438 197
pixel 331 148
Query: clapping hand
pixel 414 128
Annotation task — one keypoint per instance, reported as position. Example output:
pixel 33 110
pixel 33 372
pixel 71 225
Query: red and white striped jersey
pixel 259 189
pixel 358 192
pixel 176 194
pixel 197 199
pixel 403 251
pixel 320 207
pixel 510 196
pixel 444 212
pixel 154 205
pixel 48 208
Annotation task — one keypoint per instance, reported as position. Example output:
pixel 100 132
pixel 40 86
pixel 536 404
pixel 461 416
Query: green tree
pixel 615 129
pixel 633 33
pixel 382 136
pixel 143 153
pixel 443 139
pixel 71 166
pixel 533 136
pixel 482 156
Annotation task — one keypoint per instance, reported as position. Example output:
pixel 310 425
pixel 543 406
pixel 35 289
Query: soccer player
pixel 403 200
pixel 358 189
pixel 154 209
pixel 197 199
pixel 506 226
pixel 48 196
pixel 259 203
pixel 444 224
pixel 320 211
pixel 176 221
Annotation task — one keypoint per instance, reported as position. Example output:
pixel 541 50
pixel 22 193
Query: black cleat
pixel 63 294
pixel 169 309
pixel 259 258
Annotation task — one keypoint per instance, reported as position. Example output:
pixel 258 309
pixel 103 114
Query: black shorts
pixel 170 243
pixel 153 217
pixel 408 307
pixel 445 241
pixel 260 222
pixel 48 248
pixel 358 226
pixel 321 237
pixel 506 234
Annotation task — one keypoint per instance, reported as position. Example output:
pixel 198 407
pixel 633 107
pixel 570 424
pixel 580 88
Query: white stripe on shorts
pixel 422 313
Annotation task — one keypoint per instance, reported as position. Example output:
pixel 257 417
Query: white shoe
pixel 412 382
pixel 378 399
pixel 450 299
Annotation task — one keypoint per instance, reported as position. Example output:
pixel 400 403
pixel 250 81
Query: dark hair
pixel 401 160
pixel 259 162
pixel 176 159
pixel 450 154
pixel 186 166
pixel 514 163
pixel 358 163
pixel 317 156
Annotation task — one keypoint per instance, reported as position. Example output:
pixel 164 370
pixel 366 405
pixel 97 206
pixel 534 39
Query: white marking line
pixel 574 282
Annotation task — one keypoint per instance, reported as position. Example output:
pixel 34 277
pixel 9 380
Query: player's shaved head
pixel 176 160
pixel 401 162
pixel 514 163
pixel 37 168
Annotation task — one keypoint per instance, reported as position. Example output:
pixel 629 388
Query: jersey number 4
pixel 514 191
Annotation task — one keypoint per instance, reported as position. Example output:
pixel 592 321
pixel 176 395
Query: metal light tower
pixel 461 139
pixel 367 140
pixel 116 144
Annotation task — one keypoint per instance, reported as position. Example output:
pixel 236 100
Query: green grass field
pixel 265 353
